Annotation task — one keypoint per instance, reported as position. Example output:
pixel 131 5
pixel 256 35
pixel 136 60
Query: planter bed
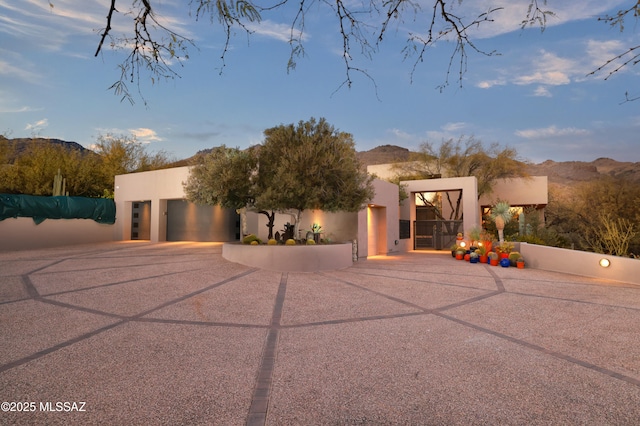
pixel 298 258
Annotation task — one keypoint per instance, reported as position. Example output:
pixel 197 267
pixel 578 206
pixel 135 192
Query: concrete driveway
pixel 138 333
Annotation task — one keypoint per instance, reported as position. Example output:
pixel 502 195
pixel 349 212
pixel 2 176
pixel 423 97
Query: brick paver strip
pixel 260 398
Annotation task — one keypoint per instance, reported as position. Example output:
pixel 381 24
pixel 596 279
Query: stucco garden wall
pixel 580 263
pixel 23 234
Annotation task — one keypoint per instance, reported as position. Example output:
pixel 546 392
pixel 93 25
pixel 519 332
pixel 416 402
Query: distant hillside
pixel 384 154
pixel 21 144
pixel 563 173
pixel 567 173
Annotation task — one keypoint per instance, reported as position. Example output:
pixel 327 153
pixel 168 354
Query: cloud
pixel 548 68
pixel 277 31
pixel 550 132
pixel 40 124
pixel 542 91
pixel 454 127
pixel 7 110
pixel 487 84
pixel 599 52
pixel 21 73
pixel 511 13
pixel 452 130
pixel 145 135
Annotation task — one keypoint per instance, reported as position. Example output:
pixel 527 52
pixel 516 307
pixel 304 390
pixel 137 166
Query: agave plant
pixel 501 215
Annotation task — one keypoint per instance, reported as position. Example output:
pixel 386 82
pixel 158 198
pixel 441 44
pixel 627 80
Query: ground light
pixel 605 263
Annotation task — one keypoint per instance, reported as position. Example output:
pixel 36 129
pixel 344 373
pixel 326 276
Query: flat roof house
pixel 152 206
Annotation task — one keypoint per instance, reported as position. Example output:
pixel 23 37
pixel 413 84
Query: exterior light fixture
pixel 463 244
pixel 604 263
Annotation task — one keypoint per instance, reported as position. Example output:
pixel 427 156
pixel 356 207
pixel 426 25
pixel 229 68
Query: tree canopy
pixel 465 156
pixel 154 47
pixel 300 167
pixel 90 173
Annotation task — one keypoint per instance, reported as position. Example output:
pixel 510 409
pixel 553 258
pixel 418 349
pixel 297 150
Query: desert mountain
pixel 563 173
pixel 21 144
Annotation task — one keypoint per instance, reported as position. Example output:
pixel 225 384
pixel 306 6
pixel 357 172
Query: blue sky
pixel 536 96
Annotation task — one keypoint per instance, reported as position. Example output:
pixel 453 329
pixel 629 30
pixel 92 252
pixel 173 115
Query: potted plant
pixel 493 259
pixel 501 215
pixel 454 249
pixel 482 252
pixel 316 229
pixel 489 254
pixel 474 235
pixel 486 240
pixel 474 257
pixel 505 249
pixel 520 263
pixel 460 253
pixel 513 257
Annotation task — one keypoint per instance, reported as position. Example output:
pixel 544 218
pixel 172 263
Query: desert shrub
pixel 250 238
pixel 611 235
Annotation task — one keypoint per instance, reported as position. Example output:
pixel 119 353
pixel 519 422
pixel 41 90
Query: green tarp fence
pixel 40 208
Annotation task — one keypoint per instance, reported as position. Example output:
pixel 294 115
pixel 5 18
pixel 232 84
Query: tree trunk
pixel 500 228
pixel 270 217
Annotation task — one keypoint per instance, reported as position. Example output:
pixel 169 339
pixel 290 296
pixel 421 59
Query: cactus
pixel 290 242
pixel 272 242
pixel 513 257
pixel 59 185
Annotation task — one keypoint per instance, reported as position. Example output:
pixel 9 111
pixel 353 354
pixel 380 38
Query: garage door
pixel 187 221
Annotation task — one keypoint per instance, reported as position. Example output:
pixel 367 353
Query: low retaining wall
pixel 580 263
pixel 23 234
pixel 299 258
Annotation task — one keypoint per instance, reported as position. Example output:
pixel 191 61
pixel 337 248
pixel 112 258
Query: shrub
pixel 250 238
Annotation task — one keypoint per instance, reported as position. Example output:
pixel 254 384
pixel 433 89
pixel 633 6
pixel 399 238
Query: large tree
pixel 300 167
pixel 462 157
pixel 154 47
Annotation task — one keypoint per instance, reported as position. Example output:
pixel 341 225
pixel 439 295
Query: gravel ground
pixel 138 333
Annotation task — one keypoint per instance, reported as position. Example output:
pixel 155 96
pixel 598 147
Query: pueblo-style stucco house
pixel 152 206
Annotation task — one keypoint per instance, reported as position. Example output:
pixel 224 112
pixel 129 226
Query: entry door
pixel 141 220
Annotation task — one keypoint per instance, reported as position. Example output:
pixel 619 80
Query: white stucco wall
pixel 345 226
pixel 23 234
pixel 468 185
pixel 381 216
pixel 156 186
pixel 532 191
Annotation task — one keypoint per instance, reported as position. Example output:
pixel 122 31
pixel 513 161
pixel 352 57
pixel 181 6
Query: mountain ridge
pixel 558 172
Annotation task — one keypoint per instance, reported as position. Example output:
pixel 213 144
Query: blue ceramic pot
pixel 504 262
